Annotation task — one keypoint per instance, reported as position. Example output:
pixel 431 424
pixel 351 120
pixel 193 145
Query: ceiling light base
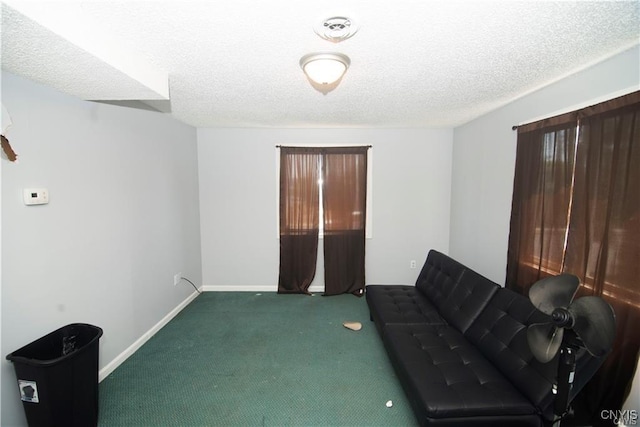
pixel 336 28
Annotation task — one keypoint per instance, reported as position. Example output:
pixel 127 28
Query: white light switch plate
pixel 35 196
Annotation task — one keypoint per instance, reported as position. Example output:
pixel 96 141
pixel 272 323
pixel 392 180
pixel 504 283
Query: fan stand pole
pixel 566 372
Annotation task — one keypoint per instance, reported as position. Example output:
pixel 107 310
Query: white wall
pixel 1 162
pixel 122 220
pixel 238 201
pixel 484 158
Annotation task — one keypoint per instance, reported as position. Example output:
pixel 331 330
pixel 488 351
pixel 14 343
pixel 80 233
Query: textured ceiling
pixel 235 63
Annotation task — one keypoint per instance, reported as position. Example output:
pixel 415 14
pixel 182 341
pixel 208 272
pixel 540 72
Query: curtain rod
pixel 325 146
pixel 514 127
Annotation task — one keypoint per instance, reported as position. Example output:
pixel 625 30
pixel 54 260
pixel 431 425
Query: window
pixel 369 210
pixel 323 185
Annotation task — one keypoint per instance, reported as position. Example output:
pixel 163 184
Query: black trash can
pixel 58 377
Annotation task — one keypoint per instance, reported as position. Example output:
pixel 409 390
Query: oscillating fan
pixel 589 319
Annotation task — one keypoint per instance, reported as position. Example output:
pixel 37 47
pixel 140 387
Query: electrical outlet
pixel 412 263
pixel 176 278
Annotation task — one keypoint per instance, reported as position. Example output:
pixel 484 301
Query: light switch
pixel 35 196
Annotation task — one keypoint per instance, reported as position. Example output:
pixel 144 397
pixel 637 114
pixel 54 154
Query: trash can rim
pixel 12 357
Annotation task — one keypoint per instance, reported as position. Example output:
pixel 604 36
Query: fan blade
pixel 544 340
pixel 594 323
pixel 554 292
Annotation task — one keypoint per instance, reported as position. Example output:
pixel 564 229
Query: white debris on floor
pixel 354 326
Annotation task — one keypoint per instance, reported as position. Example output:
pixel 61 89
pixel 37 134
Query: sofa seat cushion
pixel 393 304
pixel 446 377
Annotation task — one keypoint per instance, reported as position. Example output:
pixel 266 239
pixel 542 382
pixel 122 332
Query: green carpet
pixel 251 359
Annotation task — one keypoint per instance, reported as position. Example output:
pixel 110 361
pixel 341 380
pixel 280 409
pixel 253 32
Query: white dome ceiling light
pixel 325 69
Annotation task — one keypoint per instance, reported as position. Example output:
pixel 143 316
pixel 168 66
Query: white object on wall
pixel 35 196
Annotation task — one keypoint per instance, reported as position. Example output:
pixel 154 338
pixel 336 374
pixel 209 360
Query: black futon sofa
pixel 458 344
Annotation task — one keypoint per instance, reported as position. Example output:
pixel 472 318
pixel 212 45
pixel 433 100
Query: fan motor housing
pixel 562 318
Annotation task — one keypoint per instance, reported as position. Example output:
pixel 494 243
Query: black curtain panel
pixel 299 218
pixel 344 185
pixel 541 197
pixel 603 246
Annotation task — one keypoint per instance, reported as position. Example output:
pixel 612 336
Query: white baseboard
pixel 254 288
pixel 111 366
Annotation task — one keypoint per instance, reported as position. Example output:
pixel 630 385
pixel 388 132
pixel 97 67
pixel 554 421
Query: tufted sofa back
pixel 438 276
pixel 467 299
pixel 458 292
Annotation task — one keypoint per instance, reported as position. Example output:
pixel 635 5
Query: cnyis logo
pixel 627 417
